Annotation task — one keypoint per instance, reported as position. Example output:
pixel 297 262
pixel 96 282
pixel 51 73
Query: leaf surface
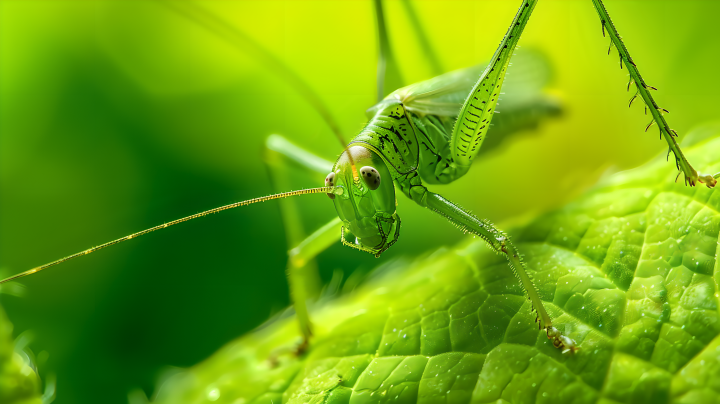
pixel 629 271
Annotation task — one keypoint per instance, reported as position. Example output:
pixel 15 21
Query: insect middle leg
pixel 498 241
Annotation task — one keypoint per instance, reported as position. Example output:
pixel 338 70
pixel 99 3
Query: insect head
pixel 366 204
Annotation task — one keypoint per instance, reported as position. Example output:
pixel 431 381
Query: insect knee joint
pixel 503 245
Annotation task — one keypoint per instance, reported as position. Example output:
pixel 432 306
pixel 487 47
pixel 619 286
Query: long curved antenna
pixel 241 41
pixel 422 38
pixel 388 75
pixel 164 225
pixel 216 25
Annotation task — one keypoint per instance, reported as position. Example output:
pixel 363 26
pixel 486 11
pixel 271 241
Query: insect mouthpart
pixel 387 233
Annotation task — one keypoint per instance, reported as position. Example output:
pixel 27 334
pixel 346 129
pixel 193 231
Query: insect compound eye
pixel 371 177
pixel 330 182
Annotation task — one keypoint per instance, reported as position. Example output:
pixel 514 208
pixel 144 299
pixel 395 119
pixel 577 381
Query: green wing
pixel 443 96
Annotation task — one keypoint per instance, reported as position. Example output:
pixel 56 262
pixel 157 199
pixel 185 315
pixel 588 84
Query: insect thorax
pixel 390 134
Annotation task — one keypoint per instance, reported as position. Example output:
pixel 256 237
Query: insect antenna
pixel 422 38
pixel 168 224
pixel 227 32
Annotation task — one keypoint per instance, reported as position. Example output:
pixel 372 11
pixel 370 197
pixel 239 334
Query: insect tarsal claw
pixel 561 341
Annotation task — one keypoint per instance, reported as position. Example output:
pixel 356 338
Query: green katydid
pixel 371 158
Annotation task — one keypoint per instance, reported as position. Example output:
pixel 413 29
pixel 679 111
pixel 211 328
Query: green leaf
pixel 19 384
pixel 628 271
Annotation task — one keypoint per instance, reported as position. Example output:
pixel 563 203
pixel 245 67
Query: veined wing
pixel 443 96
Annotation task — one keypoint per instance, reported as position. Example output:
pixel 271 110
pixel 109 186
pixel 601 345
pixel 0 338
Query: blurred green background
pixel 117 116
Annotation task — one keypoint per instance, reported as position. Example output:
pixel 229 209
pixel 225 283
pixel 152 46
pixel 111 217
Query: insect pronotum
pixel 607 29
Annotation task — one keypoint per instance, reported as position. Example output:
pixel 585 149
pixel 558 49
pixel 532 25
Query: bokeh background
pixel 117 116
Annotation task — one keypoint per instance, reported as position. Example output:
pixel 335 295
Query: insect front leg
pixel 300 258
pixel 302 272
pixel 500 242
pixel 497 240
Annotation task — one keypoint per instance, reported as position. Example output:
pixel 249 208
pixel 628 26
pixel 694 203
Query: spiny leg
pixel 468 134
pixel 302 272
pixel 643 90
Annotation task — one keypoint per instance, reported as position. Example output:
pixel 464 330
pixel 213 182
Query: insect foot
pixel 560 341
pixel 286 353
pixel 709 180
pixel 302 347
